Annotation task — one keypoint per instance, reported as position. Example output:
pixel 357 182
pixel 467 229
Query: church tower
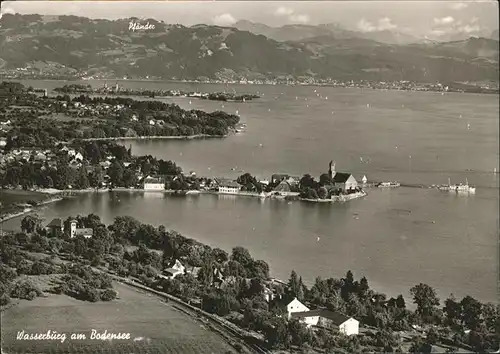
pixel 331 169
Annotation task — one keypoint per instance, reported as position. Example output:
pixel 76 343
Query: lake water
pixel 412 137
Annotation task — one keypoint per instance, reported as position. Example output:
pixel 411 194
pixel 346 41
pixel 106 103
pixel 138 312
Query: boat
pixel 388 184
pixel 445 187
pixel 465 188
pixel 460 188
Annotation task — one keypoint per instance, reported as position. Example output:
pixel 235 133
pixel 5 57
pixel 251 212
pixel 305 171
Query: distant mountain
pixel 391 37
pixel 494 35
pixel 472 48
pixel 299 32
pixel 88 47
pixel 290 32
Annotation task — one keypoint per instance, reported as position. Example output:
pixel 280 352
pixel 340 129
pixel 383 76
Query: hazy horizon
pixel 416 18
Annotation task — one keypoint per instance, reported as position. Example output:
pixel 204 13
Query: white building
pixel 329 319
pixel 175 270
pixel 75 231
pixel 154 184
pixel 295 306
pixel 229 187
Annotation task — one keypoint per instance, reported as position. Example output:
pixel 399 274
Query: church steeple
pixel 331 169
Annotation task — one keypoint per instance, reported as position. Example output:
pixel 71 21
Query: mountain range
pixel 168 51
pixel 301 31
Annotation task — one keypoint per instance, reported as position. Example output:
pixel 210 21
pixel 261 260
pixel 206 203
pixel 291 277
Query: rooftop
pixel 153 180
pixel 56 223
pixel 84 232
pixel 341 177
pixel 230 184
pixel 336 317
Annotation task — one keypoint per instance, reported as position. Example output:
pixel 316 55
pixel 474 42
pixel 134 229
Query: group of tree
pixel 66 172
pixel 83 283
pixel 233 286
pixel 35 127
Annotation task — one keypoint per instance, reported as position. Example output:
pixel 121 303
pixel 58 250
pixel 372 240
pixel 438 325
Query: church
pixel 345 181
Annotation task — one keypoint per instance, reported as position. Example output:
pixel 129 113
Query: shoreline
pixel 154 137
pixel 190 82
pixel 29 210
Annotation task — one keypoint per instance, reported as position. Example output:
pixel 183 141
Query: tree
pixel 25 289
pixel 276 333
pixel 246 179
pixel 206 274
pixel 385 339
pixel 115 172
pixel 91 294
pixel 108 295
pixel 400 302
pixel 419 346
pixel 472 311
pixel 425 298
pixel 242 256
pixel 220 256
pixel 325 179
pixel 82 178
pixel 298 332
pixel 307 181
pixel 363 287
pixel 96 177
pixel 30 223
pixel 293 286
pixel 260 269
pixel 452 310
pixel 431 337
pixel 322 193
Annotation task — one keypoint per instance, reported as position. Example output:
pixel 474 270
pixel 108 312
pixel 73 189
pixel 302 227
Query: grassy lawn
pixel 10 199
pixel 154 326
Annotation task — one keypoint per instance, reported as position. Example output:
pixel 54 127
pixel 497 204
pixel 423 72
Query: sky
pixel 418 18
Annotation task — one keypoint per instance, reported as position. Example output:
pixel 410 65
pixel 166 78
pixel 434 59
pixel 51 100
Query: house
pixel 78 156
pixel 278 177
pixel 344 181
pixel 40 157
pixel 175 270
pixel 283 187
pixel 269 294
pixel 295 306
pixel 229 187
pixel 293 181
pixel 55 226
pixel 328 319
pixel 76 231
pixel 154 184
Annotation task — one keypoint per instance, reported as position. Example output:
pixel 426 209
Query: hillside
pixel 85 47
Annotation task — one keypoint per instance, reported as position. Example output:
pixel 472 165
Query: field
pixel 154 326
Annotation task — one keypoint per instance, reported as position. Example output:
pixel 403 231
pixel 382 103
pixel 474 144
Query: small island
pixel 120 91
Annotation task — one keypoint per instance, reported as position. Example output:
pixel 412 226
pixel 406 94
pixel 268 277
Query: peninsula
pixel 34 121
pixel 117 90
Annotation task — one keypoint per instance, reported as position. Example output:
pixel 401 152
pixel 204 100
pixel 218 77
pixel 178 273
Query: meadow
pixel 154 326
